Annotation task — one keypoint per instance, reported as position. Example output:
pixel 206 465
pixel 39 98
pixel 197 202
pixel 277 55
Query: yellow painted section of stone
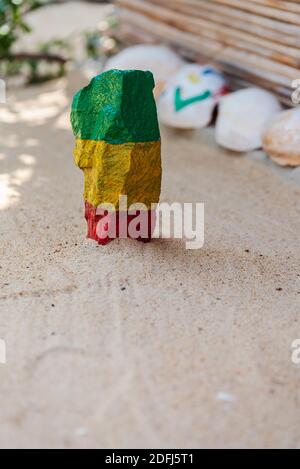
pixel 131 169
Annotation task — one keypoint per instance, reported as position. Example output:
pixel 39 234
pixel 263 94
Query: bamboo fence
pixel 252 41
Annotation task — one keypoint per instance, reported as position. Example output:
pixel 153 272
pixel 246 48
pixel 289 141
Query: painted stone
pixel 190 97
pixel 281 139
pixel 242 118
pixel 161 60
pixel 118 147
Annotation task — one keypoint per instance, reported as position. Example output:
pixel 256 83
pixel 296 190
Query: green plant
pixel 12 23
pixel 40 66
pixel 102 41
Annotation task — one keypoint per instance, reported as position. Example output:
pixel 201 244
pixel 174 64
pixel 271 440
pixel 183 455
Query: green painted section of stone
pixel 117 107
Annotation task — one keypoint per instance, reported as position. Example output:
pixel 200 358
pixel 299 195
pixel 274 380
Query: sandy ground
pixel 195 351
pixel 67 22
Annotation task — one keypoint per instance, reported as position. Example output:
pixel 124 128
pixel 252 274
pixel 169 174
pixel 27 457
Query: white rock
pixel 160 60
pixel 191 96
pixel 243 117
pixel 281 139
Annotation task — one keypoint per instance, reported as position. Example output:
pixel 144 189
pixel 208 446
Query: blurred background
pixel 249 45
pixel 136 345
pixel 252 41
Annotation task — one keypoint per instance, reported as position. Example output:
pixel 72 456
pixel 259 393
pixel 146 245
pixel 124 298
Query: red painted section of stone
pixel 107 226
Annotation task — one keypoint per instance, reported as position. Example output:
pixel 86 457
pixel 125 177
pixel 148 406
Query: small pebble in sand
pixel 81 431
pixel 225 396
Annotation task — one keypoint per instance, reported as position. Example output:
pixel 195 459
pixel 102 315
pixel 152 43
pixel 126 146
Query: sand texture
pixel 134 345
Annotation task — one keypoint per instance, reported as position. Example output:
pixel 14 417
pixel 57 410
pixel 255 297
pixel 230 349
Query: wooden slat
pixel 233 74
pixel 209 13
pixel 292 7
pixel 245 39
pixel 222 34
pixel 269 12
pixel 211 48
pixel 197 7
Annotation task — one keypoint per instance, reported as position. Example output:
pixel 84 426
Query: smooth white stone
pixel 243 117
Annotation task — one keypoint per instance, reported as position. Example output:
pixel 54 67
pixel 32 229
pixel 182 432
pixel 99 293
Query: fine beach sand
pixel 134 345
